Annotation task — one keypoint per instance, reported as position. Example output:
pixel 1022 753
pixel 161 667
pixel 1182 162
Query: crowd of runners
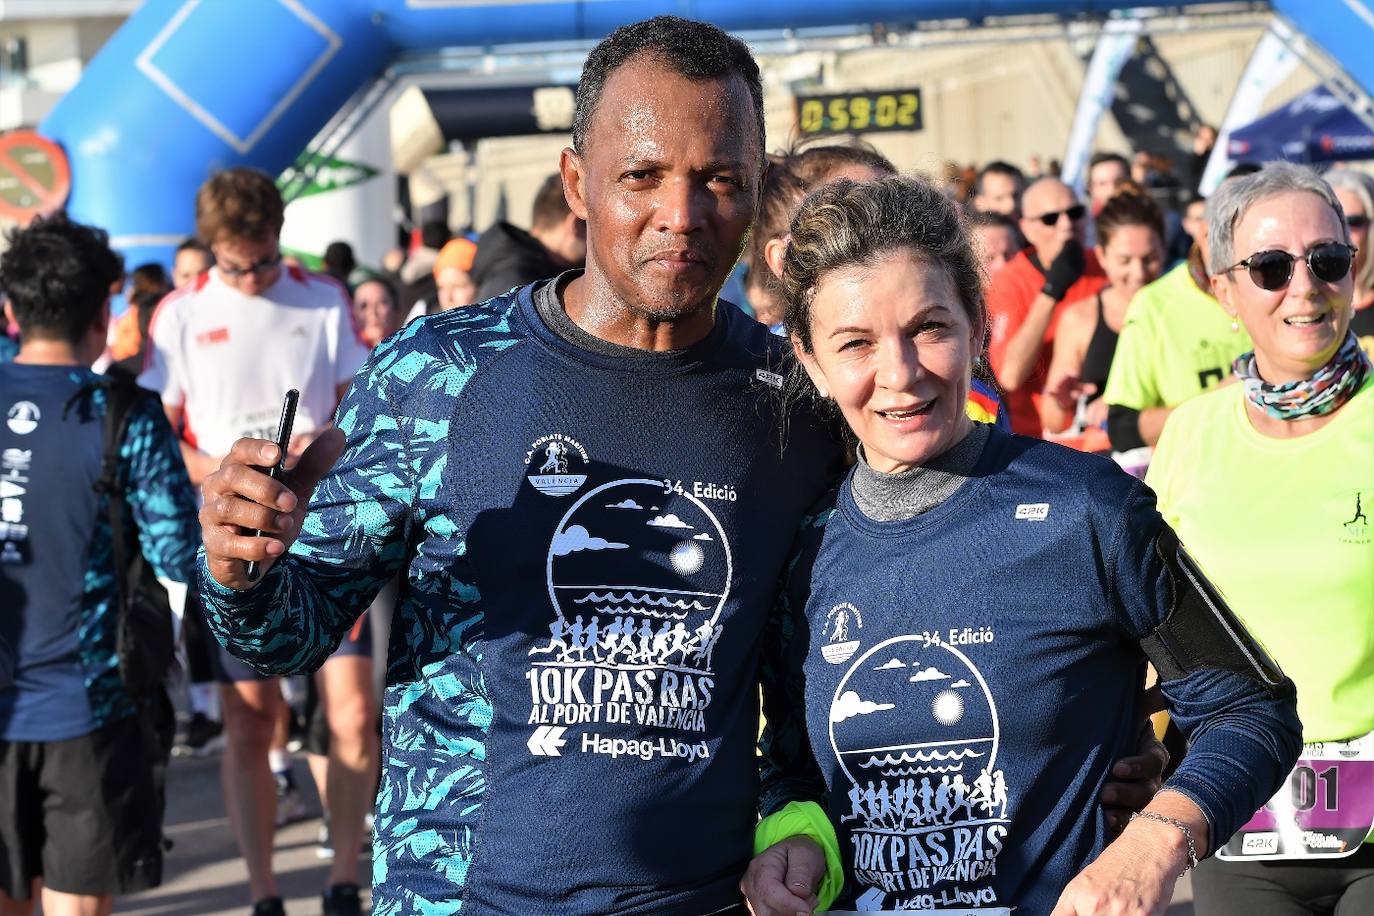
pixel 940 462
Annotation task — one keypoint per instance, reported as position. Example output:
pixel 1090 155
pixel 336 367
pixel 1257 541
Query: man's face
pixel 250 266
pixel 996 245
pixel 1051 199
pixel 1102 181
pixel 668 183
pixel 998 195
pixel 189 264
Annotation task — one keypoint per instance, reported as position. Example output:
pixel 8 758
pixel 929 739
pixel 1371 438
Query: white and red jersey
pixel 226 358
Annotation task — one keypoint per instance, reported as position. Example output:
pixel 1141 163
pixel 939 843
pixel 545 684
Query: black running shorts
pixel 82 814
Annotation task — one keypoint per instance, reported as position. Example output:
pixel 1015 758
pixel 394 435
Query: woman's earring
pixel 1235 324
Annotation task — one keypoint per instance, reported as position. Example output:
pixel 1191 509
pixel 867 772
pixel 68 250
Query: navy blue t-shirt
pixel 965 679
pixel 589 544
pixel 57 580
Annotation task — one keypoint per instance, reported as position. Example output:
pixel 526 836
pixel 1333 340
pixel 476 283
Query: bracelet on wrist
pixel 1187 835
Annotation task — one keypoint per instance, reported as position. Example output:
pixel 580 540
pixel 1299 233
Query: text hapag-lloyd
pixel 645 749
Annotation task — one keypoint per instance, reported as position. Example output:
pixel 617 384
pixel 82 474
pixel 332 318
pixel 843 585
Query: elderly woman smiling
pixel 1271 483
pixel 959 653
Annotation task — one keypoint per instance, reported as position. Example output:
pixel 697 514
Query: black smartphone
pixel 288 419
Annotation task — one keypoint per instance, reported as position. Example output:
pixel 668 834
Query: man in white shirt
pixel 224 351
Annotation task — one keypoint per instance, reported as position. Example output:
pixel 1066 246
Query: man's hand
pixel 782 880
pixel 240 497
pixel 1064 271
pixel 1134 780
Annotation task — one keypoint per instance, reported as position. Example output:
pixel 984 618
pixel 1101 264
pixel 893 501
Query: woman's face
pixel 376 315
pixel 1296 330
pixel 1358 221
pixel 456 288
pixel 1132 257
pixel 893 346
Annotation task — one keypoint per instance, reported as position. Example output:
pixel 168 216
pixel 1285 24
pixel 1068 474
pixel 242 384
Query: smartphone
pixel 288 419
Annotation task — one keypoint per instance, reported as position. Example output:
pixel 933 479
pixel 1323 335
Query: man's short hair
pixel 998 167
pixel 58 275
pixel 1099 158
pixel 695 50
pixel 239 203
pixel 195 244
pixel 550 206
pixel 985 219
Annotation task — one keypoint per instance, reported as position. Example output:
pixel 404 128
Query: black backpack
pixel 144 641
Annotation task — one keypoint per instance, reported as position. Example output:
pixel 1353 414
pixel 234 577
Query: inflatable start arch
pixel 186 87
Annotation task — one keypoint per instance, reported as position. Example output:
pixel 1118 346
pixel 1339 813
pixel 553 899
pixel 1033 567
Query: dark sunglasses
pixel 1074 213
pixel 257 267
pixel 1271 270
pixel 1358 221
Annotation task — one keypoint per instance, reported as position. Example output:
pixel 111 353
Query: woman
pixel 375 311
pixel 1355 191
pixel 1255 475
pixel 1130 248
pixel 961 653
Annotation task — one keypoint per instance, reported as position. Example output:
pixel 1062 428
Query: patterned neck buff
pixel 1333 385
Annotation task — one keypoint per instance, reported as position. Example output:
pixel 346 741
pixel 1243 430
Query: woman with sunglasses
pixel 1355 191
pixel 959 651
pixel 1130 248
pixel 1271 485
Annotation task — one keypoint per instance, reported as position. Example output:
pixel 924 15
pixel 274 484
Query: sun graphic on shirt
pixel 687 557
pixel 947 707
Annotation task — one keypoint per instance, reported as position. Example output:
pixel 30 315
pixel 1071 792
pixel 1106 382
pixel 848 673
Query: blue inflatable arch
pixel 187 87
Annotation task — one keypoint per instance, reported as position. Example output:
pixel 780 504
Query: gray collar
pixel 905 495
pixel 548 303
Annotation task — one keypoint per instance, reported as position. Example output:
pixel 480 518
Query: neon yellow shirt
pixel 1283 528
pixel 1176 343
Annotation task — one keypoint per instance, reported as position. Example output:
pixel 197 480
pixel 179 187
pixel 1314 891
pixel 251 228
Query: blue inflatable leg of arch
pixel 187 87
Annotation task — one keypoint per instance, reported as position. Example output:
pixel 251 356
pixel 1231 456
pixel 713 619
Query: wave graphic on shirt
pixel 664 601
pixel 920 756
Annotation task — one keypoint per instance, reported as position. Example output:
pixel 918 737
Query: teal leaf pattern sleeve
pixel 352 541
pixel 159 494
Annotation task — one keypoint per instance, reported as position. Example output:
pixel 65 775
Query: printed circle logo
pixel 841 622
pixel 915 730
pixel 24 417
pixel 637 576
pixel 553 459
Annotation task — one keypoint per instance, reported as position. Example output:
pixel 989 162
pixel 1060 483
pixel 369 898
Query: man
pixel 508 256
pixel 1177 342
pixel 82 815
pixel 1024 298
pixel 571 710
pixel 1106 173
pixel 998 189
pixel 225 349
pixel 997 240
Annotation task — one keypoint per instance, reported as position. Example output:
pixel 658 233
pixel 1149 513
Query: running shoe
pixel 290 803
pixel 269 906
pixel 200 731
pixel 342 900
pixel 324 849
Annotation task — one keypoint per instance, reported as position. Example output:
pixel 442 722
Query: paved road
pixel 204 876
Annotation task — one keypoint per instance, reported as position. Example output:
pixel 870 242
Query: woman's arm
pixel 1063 384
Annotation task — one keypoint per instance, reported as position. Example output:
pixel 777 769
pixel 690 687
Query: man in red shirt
pixel 1024 297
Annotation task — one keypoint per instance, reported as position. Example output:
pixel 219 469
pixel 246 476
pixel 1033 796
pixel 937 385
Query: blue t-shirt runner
pixel 953 685
pixel 57 576
pixel 589 539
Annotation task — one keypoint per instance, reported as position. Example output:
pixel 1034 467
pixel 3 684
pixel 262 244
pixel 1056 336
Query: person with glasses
pixel 1026 297
pixel 224 351
pixel 1271 485
pixel 1355 191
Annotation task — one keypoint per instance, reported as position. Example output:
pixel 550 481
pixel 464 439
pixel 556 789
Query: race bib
pixel 1324 810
